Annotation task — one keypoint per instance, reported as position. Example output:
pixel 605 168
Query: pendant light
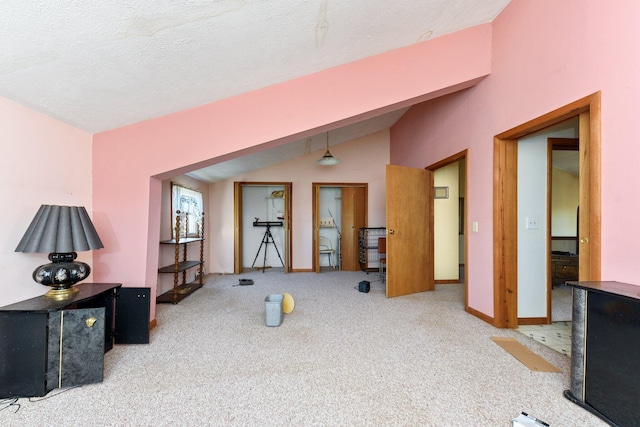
pixel 328 159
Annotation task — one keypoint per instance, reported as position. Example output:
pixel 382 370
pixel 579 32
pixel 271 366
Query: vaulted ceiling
pixel 99 65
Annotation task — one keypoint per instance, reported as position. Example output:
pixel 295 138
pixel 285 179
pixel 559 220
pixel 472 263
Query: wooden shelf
pixel 181 266
pixel 182 241
pixel 176 295
pixel 181 290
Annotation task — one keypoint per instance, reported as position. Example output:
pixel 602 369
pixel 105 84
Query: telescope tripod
pixel 266 239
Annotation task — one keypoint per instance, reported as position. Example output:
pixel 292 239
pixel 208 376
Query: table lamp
pixel 60 231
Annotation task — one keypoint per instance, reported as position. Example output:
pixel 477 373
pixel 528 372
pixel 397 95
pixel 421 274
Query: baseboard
pixel 302 270
pixel 446 282
pixel 153 324
pixel 480 315
pixel 533 321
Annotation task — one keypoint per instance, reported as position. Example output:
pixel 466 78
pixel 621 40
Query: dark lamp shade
pixel 60 229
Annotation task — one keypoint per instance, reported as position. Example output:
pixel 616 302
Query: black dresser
pixel 51 344
pixel 605 350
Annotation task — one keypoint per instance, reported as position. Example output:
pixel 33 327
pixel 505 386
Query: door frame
pixel 505 190
pixel 462 155
pixel 315 221
pixel 237 218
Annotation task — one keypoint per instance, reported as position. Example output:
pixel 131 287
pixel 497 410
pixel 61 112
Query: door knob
pixel 584 240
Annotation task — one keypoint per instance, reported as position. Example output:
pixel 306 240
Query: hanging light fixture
pixel 328 159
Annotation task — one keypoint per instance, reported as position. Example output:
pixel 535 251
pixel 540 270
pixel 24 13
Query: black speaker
pixel 364 286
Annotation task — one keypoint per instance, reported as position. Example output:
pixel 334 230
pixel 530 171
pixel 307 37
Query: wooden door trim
pixel 505 226
pixel 590 125
pixel 505 202
pixel 550 145
pixel 447 161
pixel 315 220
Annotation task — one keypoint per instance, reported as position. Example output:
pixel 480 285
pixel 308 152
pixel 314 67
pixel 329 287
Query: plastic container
pixel 273 309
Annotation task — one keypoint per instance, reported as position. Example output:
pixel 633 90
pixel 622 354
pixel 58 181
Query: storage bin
pixel 273 309
pixel 369 257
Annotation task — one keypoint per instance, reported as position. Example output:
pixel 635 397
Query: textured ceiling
pixel 99 65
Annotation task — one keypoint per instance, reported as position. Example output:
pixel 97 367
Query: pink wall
pixel 43 162
pixel 546 54
pixel 128 162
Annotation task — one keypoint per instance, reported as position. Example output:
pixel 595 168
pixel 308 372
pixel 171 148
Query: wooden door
pixel 409 210
pixel 353 219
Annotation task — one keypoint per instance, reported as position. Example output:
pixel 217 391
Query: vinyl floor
pixel 557 335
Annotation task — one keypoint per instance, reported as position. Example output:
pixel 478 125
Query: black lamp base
pixel 61 274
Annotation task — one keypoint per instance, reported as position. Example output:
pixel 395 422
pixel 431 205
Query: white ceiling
pixel 99 65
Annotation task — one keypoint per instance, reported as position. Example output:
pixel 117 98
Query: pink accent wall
pixel 546 54
pixel 129 162
pixel 43 162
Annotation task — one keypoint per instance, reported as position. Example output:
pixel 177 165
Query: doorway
pixel 458 220
pixel 505 215
pixel 268 213
pixel 339 211
pixel 563 204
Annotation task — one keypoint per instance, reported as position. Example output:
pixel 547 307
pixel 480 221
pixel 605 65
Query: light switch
pixel 326 222
pixel 474 226
pixel 532 223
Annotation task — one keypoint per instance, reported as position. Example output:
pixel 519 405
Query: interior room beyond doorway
pixel 262 240
pixel 340 211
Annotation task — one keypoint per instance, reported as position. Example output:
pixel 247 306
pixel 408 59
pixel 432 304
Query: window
pixel 189 203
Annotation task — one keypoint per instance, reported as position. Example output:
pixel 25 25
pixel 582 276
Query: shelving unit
pixel 275 206
pixel 369 257
pixel 182 289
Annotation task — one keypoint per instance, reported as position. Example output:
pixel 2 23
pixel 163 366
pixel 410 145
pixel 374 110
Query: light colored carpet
pixel 561 303
pixel 341 358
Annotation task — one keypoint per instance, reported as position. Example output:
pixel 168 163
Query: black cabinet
pixel 564 268
pixel 132 316
pixel 605 350
pixel 50 344
pixel 75 348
